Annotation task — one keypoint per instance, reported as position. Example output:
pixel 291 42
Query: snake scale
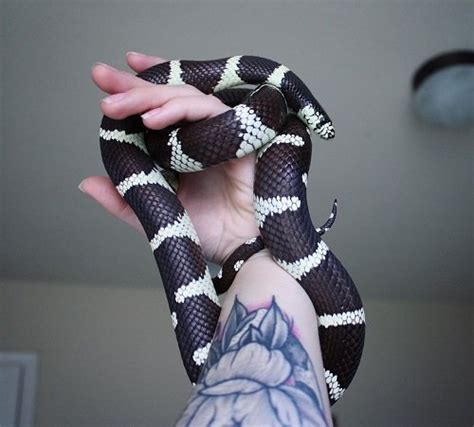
pixel 274 118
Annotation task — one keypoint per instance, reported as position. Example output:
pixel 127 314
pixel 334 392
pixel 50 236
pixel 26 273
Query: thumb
pixel 103 191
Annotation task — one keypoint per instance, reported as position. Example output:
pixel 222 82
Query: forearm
pixel 264 366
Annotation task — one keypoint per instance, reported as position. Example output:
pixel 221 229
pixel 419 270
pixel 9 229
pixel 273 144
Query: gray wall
pixel 402 186
pixel 109 358
pixel 82 289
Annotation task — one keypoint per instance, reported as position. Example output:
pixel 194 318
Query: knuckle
pixel 216 103
pixel 192 89
pixel 213 100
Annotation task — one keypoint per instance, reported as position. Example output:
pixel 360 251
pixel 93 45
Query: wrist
pixel 236 243
pixel 263 271
pixel 259 282
pixel 234 261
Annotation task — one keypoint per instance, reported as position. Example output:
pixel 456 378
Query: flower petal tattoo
pixel 257 373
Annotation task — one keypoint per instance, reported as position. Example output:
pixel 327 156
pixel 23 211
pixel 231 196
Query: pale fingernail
pixel 135 53
pixel 151 113
pixel 114 98
pixel 81 186
pixel 105 65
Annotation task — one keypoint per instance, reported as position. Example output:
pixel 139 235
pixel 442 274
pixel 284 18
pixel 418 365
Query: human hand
pixel 219 200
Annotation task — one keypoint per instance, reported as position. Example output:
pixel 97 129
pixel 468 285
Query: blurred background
pixel 81 291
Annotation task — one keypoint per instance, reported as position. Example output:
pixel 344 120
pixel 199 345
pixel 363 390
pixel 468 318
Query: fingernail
pixel 151 113
pixel 114 98
pixel 105 65
pixel 81 186
pixel 135 53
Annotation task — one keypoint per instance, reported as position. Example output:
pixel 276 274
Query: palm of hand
pixel 219 201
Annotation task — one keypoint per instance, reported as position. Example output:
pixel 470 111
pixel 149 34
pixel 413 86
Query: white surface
pixel 10 384
pixel 18 372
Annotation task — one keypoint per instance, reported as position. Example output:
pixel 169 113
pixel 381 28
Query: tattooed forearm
pixel 257 374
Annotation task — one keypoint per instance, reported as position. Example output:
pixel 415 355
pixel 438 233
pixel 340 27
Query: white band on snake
pixel 275 119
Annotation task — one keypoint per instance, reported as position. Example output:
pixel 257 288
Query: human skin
pixel 259 284
pixel 227 187
pixel 219 201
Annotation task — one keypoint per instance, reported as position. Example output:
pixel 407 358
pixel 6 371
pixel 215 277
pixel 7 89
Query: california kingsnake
pixel 259 118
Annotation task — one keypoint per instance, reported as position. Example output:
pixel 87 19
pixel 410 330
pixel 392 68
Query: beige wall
pixel 108 357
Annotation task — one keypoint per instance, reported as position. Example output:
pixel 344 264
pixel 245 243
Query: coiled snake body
pixel 261 119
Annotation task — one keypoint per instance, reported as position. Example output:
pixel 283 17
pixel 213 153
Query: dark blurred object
pixel 443 89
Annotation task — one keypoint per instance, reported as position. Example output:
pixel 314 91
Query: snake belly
pixel 275 119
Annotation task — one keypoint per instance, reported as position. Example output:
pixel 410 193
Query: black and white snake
pixel 276 119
